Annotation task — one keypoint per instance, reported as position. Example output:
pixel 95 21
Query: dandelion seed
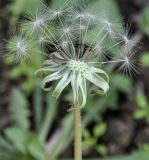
pixel 128 65
pixel 41 40
pixel 36 21
pixel 19 47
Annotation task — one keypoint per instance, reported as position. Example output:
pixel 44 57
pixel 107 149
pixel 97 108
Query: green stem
pixel 78 132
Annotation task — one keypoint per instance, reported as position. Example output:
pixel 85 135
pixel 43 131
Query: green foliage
pixel 111 5
pixel 63 136
pixel 19 108
pixel 26 69
pixel 21 143
pixel 50 115
pixel 91 141
pixel 144 147
pixel 24 145
pixel 99 129
pixel 143 20
pixel 145 59
pixel 142 111
pixel 20 7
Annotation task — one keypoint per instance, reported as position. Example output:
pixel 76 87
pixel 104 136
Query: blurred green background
pixel 36 126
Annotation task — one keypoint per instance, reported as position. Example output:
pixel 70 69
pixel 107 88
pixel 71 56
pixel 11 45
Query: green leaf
pixel 36 149
pixel 141 100
pixel 139 114
pixel 5 144
pixel 19 108
pixel 121 83
pixel 59 4
pixel 143 20
pixel 50 115
pixel 145 59
pixel 144 147
pixel 89 143
pixel 66 133
pixel 100 129
pixel 19 7
pixel 111 7
pixel 86 134
pixel 102 149
pixel 26 70
pixel 18 137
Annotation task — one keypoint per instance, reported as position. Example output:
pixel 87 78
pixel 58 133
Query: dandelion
pixel 19 47
pixel 82 43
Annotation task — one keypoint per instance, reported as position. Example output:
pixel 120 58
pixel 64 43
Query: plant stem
pixel 78 132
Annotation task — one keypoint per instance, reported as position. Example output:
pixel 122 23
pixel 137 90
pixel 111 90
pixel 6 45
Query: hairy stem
pixel 78 132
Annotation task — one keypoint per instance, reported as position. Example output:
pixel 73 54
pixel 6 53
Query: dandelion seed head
pixel 80 42
pixel 128 65
pixel 34 22
pixel 18 47
pixel 21 50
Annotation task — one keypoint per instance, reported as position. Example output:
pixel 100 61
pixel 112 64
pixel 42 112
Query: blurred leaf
pixel 102 149
pixel 144 147
pixel 133 156
pixel 66 134
pixel 25 145
pixel 27 70
pixel 145 59
pixel 143 20
pixel 5 144
pixel 59 4
pixel 86 133
pixel 122 83
pixel 37 150
pixel 99 129
pixel 89 143
pixel 99 6
pixel 19 108
pixel 19 7
pixel 50 115
pixel 141 100
pixel 18 137
pixel 139 114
